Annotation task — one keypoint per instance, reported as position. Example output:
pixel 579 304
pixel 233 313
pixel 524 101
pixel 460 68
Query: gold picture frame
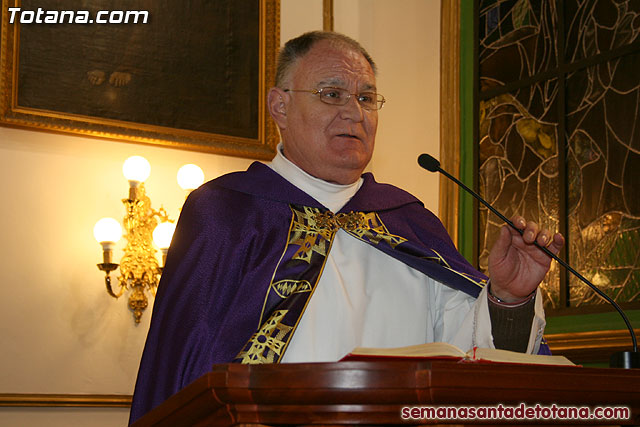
pixel 194 77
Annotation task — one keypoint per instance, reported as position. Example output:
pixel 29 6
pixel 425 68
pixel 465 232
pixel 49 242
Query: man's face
pixel 330 142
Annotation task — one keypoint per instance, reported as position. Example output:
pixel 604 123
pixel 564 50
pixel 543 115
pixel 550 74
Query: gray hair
pixel 296 48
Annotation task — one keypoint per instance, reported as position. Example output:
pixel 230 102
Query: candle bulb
pixel 107 232
pixel 136 169
pixel 162 236
pixel 190 177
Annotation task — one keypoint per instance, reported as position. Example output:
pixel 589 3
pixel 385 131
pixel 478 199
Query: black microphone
pixel 624 359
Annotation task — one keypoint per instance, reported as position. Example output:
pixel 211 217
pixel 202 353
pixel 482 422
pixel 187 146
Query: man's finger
pixel 502 243
pixel 531 232
pixel 544 238
pixel 519 221
pixel 556 244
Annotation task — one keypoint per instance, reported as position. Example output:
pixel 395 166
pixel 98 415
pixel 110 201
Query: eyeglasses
pixel 336 96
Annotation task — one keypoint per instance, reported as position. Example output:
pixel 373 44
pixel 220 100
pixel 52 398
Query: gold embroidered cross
pixel 263 340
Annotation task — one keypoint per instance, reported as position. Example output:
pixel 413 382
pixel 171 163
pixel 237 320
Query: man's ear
pixel 277 101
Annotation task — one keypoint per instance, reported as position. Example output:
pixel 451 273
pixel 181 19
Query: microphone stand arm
pixel 620 359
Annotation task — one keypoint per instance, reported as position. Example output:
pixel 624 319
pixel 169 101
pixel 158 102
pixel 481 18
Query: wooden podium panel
pixel 373 393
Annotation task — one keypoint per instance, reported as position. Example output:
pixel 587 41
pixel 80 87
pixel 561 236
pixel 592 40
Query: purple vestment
pixel 228 242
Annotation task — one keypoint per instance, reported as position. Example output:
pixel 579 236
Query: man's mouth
pixel 348 135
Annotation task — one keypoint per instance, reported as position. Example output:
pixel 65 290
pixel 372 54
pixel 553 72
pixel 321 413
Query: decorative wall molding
pixel 449 114
pixel 590 346
pixel 65 400
pixel 327 15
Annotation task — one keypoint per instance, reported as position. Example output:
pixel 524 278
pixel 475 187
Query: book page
pixel 441 349
pixel 433 349
pixel 506 356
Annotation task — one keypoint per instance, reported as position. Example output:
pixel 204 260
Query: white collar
pixel 330 195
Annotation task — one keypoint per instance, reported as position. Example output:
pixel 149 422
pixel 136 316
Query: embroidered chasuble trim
pixel 439 259
pixel 284 251
pixel 299 269
pixel 294 280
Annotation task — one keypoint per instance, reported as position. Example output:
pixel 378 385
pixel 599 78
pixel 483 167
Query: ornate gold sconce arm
pixel 108 268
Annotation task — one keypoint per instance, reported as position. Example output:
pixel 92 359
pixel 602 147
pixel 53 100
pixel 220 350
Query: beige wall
pixel 403 37
pixel 61 332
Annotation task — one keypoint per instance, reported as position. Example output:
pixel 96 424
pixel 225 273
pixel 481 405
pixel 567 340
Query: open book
pixel 441 350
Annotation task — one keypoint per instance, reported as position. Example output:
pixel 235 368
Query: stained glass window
pixel 559 135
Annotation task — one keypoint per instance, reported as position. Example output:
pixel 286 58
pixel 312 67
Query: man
pixel 305 258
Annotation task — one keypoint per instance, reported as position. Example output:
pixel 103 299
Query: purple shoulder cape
pixel 227 243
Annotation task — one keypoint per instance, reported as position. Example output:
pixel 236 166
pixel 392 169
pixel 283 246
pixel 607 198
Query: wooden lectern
pixel 373 393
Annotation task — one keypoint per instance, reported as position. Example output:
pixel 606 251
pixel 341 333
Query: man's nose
pixel 352 110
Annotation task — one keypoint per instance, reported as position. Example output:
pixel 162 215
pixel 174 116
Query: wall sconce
pixel 143 225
